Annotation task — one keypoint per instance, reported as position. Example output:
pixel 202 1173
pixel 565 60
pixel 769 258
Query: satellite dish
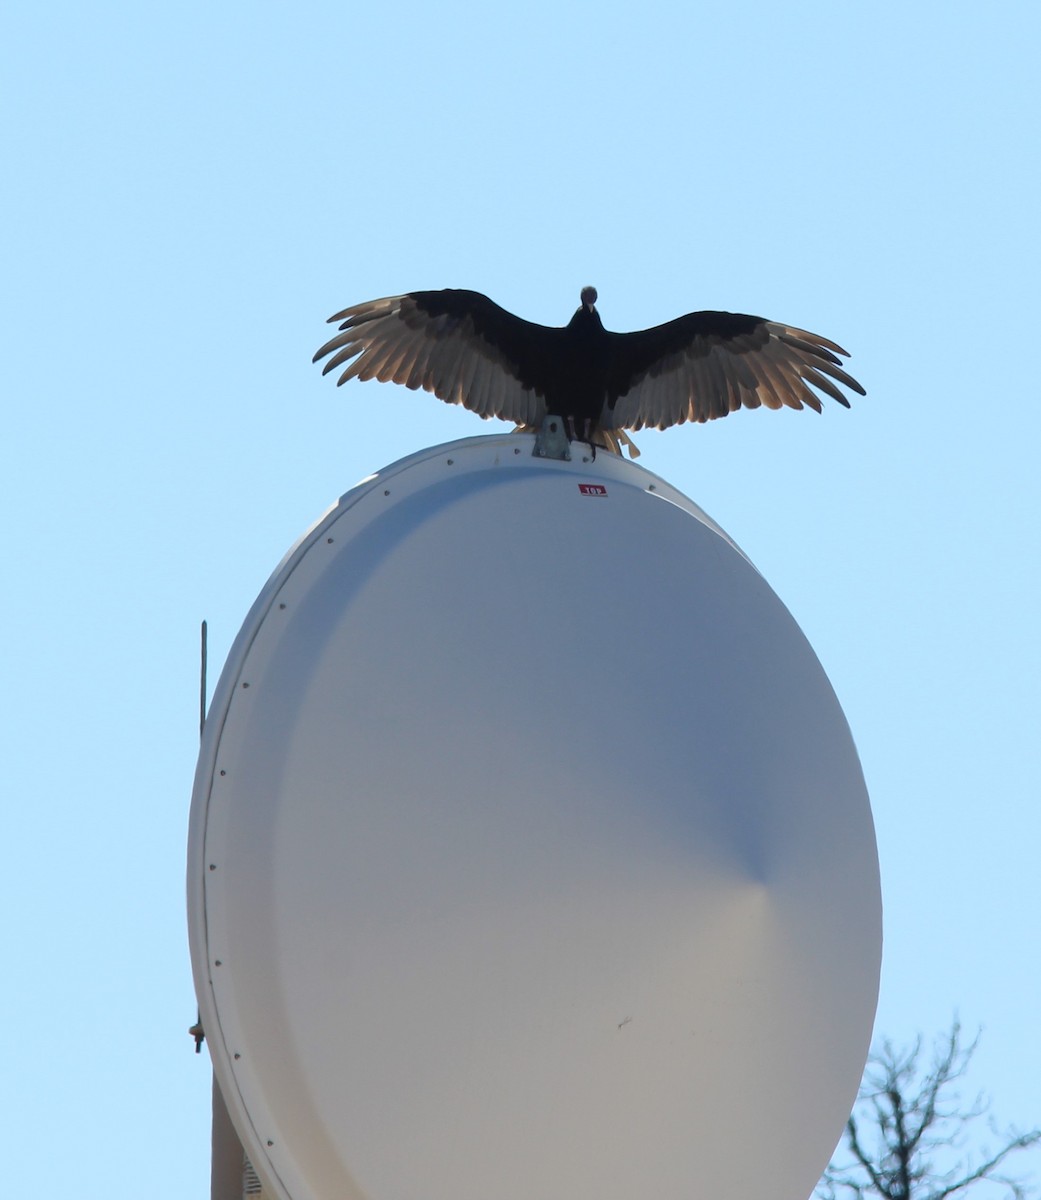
pixel 530 854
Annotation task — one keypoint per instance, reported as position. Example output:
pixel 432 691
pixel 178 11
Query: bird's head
pixel 588 298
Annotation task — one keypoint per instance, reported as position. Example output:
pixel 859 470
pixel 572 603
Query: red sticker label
pixel 592 489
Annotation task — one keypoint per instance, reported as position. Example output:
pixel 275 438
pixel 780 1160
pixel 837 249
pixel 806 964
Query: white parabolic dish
pixel 530 853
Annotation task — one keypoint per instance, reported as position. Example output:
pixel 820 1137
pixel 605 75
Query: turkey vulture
pixel 467 350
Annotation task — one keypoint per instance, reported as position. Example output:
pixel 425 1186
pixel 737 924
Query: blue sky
pixel 192 189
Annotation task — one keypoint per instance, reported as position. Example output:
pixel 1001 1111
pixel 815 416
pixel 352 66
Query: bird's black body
pixel 467 350
pixel 581 366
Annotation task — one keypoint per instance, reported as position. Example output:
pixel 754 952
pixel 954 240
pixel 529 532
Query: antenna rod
pixel 196 1030
pixel 202 679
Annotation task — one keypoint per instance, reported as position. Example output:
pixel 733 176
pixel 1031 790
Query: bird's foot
pixel 587 431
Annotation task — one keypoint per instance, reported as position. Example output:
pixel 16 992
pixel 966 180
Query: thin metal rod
pixel 196 1030
pixel 202 679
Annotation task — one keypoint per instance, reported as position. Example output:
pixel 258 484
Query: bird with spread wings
pixel 467 350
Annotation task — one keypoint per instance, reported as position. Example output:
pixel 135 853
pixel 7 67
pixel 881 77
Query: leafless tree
pixel 909 1135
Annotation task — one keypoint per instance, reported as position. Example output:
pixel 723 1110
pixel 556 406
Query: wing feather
pixel 381 360
pixel 457 344
pixel 708 364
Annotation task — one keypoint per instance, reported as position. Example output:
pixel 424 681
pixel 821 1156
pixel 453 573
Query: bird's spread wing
pixel 708 364
pixel 457 344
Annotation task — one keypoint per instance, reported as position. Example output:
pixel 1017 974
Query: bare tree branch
pixel 918 1126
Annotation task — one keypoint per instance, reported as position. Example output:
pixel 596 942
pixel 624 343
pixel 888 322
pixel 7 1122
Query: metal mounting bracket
pixel 551 441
